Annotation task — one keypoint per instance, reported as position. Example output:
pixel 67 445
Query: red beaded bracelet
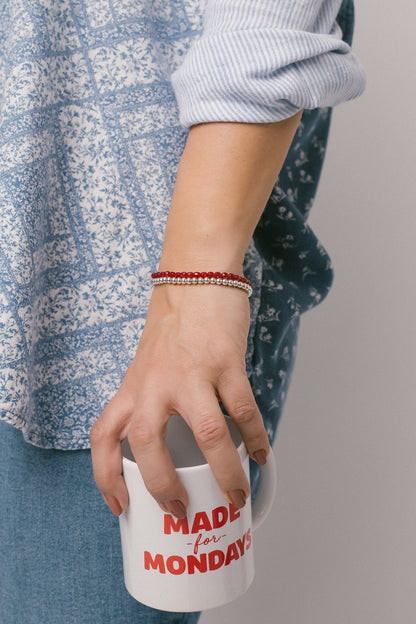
pixel 212 277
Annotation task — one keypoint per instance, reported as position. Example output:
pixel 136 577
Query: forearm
pixel 224 178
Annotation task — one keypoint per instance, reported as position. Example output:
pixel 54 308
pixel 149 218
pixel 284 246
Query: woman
pixel 178 136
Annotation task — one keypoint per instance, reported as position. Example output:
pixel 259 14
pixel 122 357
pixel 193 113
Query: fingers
pixel 146 438
pixel 201 410
pixel 236 394
pixel 144 429
pixel 105 437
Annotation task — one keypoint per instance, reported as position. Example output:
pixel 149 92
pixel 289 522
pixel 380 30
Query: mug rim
pixel 241 449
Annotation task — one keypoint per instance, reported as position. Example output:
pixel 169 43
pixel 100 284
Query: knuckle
pixel 244 412
pixel 142 434
pixel 100 431
pixel 223 356
pixel 116 412
pixel 209 432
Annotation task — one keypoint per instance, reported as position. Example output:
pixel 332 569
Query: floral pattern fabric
pixel 89 145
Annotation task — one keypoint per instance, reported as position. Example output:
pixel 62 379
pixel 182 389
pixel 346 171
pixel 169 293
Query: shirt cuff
pixel 261 75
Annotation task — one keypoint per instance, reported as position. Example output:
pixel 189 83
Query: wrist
pixel 194 302
pixel 197 244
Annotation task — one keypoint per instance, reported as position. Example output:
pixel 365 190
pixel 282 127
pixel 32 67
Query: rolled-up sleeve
pixel 264 60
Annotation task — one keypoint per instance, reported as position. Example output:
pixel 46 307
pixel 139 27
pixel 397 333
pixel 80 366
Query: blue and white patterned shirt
pixel 96 100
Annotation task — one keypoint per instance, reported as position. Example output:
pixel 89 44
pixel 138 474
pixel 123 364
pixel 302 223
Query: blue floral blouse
pixel 90 138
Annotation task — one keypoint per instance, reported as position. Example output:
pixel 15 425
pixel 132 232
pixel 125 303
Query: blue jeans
pixel 60 549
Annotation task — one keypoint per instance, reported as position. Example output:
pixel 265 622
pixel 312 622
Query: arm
pixel 225 176
pixel 192 348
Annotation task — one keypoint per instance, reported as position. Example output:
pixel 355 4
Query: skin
pixel 192 348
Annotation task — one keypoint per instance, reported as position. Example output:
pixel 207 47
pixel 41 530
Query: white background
pixel 340 544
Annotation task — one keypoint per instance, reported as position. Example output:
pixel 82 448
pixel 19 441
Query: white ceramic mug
pixel 206 559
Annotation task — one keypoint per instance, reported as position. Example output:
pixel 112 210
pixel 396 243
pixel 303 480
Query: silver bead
pixel 200 280
pixel 219 280
pixel 194 280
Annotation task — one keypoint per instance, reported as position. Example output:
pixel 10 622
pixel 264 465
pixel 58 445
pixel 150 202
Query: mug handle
pixel 266 491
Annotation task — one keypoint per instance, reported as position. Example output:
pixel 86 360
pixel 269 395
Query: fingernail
pixel 238 498
pixel 175 507
pixel 260 457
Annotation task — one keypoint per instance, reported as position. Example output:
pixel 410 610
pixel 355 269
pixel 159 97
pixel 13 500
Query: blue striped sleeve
pixel 264 60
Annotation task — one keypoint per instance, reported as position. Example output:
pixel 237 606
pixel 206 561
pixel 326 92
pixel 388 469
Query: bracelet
pixel 223 279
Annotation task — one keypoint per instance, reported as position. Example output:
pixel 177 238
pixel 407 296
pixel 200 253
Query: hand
pixel 191 353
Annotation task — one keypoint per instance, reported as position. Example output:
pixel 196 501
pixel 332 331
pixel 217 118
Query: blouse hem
pixel 34 439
